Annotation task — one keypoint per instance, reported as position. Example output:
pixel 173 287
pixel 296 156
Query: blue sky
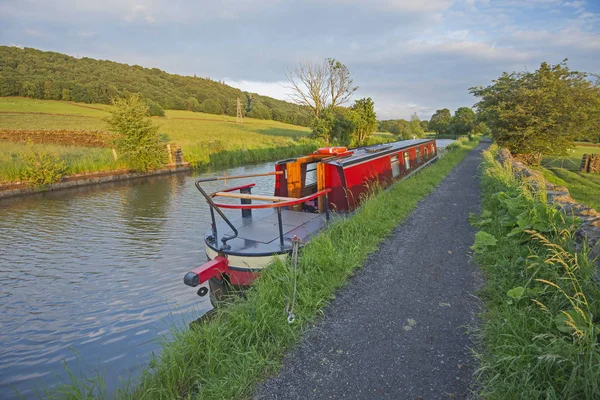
pixel 409 56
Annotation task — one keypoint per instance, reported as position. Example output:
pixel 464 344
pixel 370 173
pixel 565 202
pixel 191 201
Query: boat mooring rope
pixel 290 304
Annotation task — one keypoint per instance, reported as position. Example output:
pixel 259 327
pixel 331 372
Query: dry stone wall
pixel 560 197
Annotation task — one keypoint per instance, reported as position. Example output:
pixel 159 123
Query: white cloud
pixel 276 90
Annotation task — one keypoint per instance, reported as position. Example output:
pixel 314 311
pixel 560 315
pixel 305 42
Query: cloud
pixel 409 56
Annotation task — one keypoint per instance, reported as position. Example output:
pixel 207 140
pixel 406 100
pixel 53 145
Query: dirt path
pixel 398 330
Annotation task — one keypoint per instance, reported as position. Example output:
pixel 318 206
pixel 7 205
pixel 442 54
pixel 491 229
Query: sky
pixel 409 56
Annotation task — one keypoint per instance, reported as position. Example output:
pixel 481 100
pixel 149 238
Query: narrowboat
pixel 307 189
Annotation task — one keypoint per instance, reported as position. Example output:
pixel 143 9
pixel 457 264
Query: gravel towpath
pixel 398 330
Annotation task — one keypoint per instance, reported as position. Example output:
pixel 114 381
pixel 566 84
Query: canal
pixel 93 277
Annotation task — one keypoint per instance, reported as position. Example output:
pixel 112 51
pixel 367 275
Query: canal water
pixel 93 277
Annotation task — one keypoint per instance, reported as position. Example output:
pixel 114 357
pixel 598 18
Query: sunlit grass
pixel 533 282
pixel 583 187
pixel 78 159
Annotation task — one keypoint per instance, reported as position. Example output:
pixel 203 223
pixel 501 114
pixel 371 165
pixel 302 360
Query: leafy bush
pixel 138 142
pixel 42 168
pixel 154 109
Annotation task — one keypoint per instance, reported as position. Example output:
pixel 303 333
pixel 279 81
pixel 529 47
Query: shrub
pixel 138 141
pixel 42 168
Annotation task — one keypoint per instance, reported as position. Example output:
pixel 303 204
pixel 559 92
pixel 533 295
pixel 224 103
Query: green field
pixel 564 171
pixel 199 135
pixel 571 161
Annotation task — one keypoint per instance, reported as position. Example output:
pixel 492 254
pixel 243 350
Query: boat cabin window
pixel 395 166
pixel 426 152
pixel 406 160
pixel 418 156
pixel 309 178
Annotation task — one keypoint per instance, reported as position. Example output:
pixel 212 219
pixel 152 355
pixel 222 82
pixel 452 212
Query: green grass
pixel 534 275
pixel 201 136
pixel 78 159
pixel 225 357
pixel 572 161
pixel 583 187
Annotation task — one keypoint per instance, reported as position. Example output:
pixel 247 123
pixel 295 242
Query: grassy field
pixel 564 171
pixel 539 332
pixel 224 357
pixel 585 188
pixel 572 161
pixel 200 135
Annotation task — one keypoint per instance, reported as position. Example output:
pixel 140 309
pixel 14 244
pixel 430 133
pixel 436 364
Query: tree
pixel 541 112
pixel 414 126
pixel 365 120
pixel 192 104
pixel 425 125
pixel 440 121
pixel 138 142
pixel 259 111
pixel 339 83
pixel 403 129
pixel 323 126
pixel 463 121
pixel 211 106
pixel 343 126
pixel 154 109
pixel 320 86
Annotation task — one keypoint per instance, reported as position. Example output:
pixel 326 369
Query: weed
pixel 540 329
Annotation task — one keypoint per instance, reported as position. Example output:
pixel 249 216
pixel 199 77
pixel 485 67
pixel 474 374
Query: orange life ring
pixel 331 150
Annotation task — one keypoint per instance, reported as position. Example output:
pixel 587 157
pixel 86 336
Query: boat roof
pixel 369 152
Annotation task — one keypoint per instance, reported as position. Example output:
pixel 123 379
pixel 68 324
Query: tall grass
pixel 77 159
pixel 225 357
pixel 540 331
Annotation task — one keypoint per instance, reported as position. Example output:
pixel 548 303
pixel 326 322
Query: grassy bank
pixel 200 136
pixel 77 159
pixel 540 330
pixel 225 357
pixel 584 187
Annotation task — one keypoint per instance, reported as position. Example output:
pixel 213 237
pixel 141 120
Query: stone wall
pixel 559 196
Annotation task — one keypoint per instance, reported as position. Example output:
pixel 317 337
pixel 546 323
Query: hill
pixel 54 76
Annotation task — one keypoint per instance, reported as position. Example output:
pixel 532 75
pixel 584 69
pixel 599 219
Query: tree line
pixel 54 76
pixel 541 112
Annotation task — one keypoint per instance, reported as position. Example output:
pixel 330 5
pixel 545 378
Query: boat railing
pixel 246 206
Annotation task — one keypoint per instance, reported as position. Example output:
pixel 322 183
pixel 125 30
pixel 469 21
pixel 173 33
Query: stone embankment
pixel 561 198
pixel 91 178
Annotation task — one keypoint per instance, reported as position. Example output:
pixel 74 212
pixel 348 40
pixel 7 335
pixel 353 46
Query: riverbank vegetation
pixel 244 342
pixel 205 139
pixel 539 333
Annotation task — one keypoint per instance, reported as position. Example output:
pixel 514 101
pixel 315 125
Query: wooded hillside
pixel 54 76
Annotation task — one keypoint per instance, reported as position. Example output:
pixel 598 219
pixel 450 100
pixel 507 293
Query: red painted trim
pixel 212 268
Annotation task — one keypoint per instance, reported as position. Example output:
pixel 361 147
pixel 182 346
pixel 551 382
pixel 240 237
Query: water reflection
pixel 94 276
